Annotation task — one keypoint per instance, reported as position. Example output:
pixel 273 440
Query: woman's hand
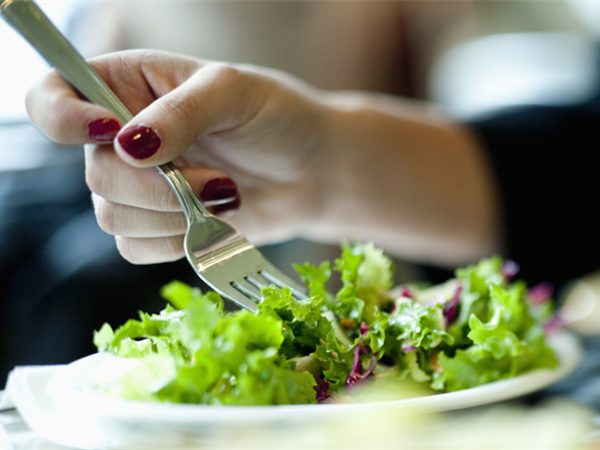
pixel 325 166
pixel 216 122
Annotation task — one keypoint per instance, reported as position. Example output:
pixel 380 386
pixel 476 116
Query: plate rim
pixel 63 391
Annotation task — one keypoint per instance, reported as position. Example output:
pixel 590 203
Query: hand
pixel 216 122
pixel 325 166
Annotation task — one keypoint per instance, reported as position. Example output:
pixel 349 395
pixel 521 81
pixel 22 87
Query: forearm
pixel 413 182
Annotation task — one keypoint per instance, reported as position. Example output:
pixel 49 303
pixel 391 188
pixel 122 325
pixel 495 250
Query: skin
pixel 324 166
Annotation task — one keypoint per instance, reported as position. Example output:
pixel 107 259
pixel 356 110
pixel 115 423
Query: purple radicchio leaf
pixel 408 348
pixel 555 323
pixel 322 389
pixel 356 374
pixel 509 269
pixel 540 293
pixel 406 292
pixel 451 307
pixel 435 301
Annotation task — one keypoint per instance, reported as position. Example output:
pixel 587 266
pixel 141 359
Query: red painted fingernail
pixel 226 209
pixel 139 141
pixel 103 130
pixel 218 191
pixel 220 196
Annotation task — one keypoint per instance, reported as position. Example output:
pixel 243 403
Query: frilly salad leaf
pixel 478 327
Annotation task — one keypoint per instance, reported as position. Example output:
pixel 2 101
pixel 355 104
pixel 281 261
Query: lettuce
pixel 478 327
pixel 503 336
pixel 216 358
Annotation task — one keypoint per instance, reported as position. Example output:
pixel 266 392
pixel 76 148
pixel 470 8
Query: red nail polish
pixel 103 130
pixel 225 209
pixel 220 196
pixel 218 190
pixel 139 141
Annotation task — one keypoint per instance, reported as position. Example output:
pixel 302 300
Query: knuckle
pixel 127 249
pixel 223 71
pixel 57 128
pixel 191 102
pixel 94 177
pixel 99 171
pixel 181 107
pixel 176 222
pixel 229 78
pixel 163 198
pixel 150 251
pixel 30 101
pixel 174 249
pixel 106 215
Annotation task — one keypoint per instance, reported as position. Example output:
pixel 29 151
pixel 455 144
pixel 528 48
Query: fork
pixel 218 252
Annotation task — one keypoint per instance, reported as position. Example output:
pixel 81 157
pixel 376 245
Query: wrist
pixel 397 173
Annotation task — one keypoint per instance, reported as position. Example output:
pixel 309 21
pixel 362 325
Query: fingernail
pixel 220 196
pixel 226 209
pixel 139 141
pixel 103 129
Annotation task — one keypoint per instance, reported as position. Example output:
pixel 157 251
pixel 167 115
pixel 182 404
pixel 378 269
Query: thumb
pixel 215 98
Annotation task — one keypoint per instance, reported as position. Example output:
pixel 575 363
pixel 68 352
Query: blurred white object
pixel 581 305
pixel 5 443
pixel 588 13
pixel 21 64
pixel 497 71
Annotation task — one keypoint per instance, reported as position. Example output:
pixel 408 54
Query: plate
pixel 68 389
pixel 55 403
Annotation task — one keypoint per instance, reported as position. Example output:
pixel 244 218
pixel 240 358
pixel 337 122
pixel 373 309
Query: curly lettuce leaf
pixel 367 276
pixel 418 325
pixel 205 356
pixel 508 341
pixel 476 328
pixel 315 277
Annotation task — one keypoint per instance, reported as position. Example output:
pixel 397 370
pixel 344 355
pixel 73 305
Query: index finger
pixel 62 115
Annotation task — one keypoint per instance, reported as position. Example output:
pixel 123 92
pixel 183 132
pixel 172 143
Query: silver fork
pixel 218 252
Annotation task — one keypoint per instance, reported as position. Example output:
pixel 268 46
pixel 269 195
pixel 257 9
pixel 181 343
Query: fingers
pixel 122 220
pixel 139 207
pixel 114 180
pixel 111 178
pixel 150 250
pixel 64 117
pixel 136 77
pixel 175 101
pixel 201 105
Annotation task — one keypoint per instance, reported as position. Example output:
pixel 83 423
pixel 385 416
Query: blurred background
pixel 61 276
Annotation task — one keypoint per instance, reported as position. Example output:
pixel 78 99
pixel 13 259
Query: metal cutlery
pixel 218 252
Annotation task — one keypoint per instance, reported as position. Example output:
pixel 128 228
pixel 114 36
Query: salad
pixel 477 327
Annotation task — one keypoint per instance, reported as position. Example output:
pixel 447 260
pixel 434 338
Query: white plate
pixel 67 389
pixel 54 402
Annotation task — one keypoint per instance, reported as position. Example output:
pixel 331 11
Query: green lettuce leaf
pixel 476 328
pixel 501 337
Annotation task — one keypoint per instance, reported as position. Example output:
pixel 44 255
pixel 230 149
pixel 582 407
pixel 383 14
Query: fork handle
pixel 31 22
